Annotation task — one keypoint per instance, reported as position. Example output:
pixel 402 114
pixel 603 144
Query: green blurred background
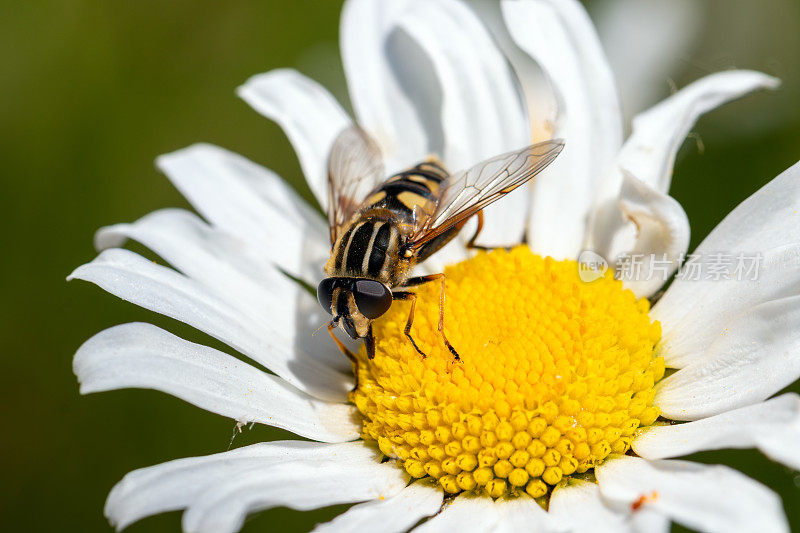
pixel 91 92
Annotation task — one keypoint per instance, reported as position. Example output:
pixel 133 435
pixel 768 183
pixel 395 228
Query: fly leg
pixel 425 279
pixel 346 351
pixel 405 295
pixel 471 243
pixel 369 342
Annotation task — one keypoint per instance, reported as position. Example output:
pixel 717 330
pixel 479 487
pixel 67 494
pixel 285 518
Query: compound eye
pixel 325 293
pixel 373 298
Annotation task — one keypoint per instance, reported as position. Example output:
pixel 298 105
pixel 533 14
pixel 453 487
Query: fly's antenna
pixel 334 323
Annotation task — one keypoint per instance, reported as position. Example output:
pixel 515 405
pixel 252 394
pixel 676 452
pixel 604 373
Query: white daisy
pixel 559 376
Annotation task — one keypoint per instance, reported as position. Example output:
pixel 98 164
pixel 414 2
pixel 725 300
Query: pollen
pixel 555 375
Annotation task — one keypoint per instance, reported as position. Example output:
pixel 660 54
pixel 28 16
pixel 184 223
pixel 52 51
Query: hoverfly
pixel 381 228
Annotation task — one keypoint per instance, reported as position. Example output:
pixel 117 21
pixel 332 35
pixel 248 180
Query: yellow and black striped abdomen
pixel 418 187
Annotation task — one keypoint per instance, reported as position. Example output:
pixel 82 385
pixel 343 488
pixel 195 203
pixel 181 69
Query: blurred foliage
pixel 91 92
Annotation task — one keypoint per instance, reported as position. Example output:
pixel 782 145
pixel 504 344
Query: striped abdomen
pixel 418 187
pixel 370 246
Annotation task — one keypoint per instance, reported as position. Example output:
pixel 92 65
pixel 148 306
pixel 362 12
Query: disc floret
pixel 556 375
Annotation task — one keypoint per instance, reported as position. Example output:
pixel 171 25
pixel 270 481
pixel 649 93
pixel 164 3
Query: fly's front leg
pixel 405 295
pixel 425 279
pixel 350 355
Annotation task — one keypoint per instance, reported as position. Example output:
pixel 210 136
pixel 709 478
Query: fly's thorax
pixel 370 247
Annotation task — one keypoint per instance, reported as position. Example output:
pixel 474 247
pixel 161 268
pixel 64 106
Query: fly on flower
pixel 381 228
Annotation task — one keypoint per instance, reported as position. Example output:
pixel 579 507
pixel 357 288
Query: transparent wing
pixel 355 167
pixel 467 192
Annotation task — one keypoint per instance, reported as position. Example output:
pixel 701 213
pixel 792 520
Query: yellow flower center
pixel 556 374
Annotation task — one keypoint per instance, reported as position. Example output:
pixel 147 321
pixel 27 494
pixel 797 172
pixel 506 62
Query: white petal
pixel 144 356
pixel 772 426
pixel 161 289
pixel 524 514
pixel 560 37
pixel 775 274
pixel 658 237
pixel 658 133
pixel 234 271
pixel 465 514
pixel 307 483
pixel 204 253
pixel 757 356
pixel 540 100
pixel 579 506
pixel 308 114
pixel 649 153
pixel 251 203
pixel 707 498
pixel 647 42
pixel 396 514
pixel 470 513
pixel 650 521
pixel 766 227
pixel 219 490
pixel 482 114
pixel 374 61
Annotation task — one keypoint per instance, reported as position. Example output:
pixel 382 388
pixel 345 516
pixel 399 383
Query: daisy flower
pixel 573 397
